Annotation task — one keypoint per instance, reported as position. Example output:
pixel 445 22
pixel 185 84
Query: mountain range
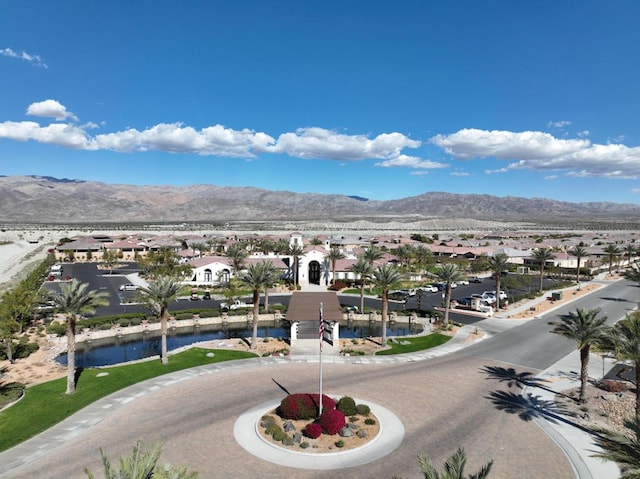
pixel 41 199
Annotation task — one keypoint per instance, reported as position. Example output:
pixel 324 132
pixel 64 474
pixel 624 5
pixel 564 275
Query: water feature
pixel 133 347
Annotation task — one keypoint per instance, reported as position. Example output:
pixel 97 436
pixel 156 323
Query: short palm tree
pixel 579 252
pixel 542 256
pixel 256 277
pixel 363 269
pixel 621 448
pixel 372 254
pixel 497 264
pixel 237 253
pixel 453 467
pixel 386 277
pixel 630 251
pixel 448 273
pixel 157 296
pixel 74 301
pixel 624 340
pixel 142 464
pixel 586 327
pixel 612 252
pixel 333 256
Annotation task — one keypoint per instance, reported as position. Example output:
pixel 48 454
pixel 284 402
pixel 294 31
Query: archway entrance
pixel 314 272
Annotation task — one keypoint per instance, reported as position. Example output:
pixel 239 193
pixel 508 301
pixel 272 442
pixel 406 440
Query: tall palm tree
pixel 542 256
pixel 497 264
pixel 386 277
pixel 333 256
pixel 256 277
pixel 630 251
pixel 157 296
pixel 423 256
pixel 74 301
pixel 621 448
pixel 237 253
pixel 363 269
pixel 405 254
pixel 142 464
pixel 453 467
pixel 586 327
pixel 579 252
pixel 624 340
pixel 372 254
pixel 271 276
pixel 295 250
pixel 612 252
pixel 448 273
pixel 633 273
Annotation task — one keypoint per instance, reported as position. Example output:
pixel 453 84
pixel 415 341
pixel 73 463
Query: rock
pixel 362 434
pixel 297 438
pixel 210 355
pixel 288 426
pixel 101 375
pixel 346 432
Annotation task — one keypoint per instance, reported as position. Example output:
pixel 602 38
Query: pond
pixel 133 347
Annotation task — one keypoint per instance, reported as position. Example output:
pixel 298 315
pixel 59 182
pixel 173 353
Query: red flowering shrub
pixel 304 406
pixel 312 430
pixel 337 285
pixel 332 420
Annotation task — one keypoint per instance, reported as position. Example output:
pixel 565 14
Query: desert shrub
pixel 57 329
pixel 312 430
pixel 369 421
pixel 287 441
pixel 337 285
pixel 354 419
pixel 339 443
pixel 279 435
pixel 304 444
pixel 24 348
pixel 303 406
pixel 347 405
pixel 332 420
pixel 613 386
pixel 272 428
pixel 352 352
pixel 363 409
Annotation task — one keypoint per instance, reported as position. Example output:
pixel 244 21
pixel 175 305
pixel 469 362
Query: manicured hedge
pixel 304 406
pixel 332 420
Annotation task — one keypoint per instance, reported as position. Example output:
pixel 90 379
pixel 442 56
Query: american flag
pixel 321 330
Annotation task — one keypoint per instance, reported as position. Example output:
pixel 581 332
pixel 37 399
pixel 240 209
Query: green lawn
pixel 47 404
pixel 418 343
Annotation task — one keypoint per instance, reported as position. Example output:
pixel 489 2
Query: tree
pixel 237 253
pixel 541 256
pixel 612 252
pixel 142 464
pixel 363 269
pixel 586 328
pixel 423 257
pixel 621 448
pixel 75 300
pixel 405 254
pixel 448 273
pixel 257 277
pixel 271 276
pixel 372 254
pixel 295 250
pixel 497 264
pixel 386 277
pixel 109 259
pixel 624 340
pixel 333 256
pixel 453 467
pixel 579 252
pixel 157 296
pixel 630 251
pixel 164 262
pixel 633 273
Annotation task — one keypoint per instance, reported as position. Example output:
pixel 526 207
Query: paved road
pixel 442 402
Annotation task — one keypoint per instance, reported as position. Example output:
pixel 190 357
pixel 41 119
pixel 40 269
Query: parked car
pixel 476 279
pixel 429 288
pixel 503 295
pixel 128 287
pixel 398 295
pixel 464 282
pixel 408 292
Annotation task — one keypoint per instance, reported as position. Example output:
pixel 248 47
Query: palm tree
pixel 157 296
pixel 630 252
pixel 423 256
pixel 612 252
pixel 579 252
pixel 237 253
pixel 271 276
pixel 404 253
pixel 386 277
pixel 142 464
pixel 633 273
pixel 586 328
pixel 364 270
pixel 497 264
pixel 74 301
pixel 448 273
pixel 453 467
pixel 621 448
pixel 372 254
pixel 256 277
pixel 295 250
pixel 542 255
pixel 333 256
pixel 624 340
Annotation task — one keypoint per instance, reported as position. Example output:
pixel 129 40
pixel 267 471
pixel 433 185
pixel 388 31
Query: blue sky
pixel 378 99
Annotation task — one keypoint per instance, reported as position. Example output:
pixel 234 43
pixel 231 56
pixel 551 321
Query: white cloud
pixel 55 134
pixel 50 109
pixel 472 143
pixel 411 162
pixel 34 59
pixel 460 173
pixel 319 143
pixel 558 124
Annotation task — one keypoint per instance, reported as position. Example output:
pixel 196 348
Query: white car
pixel 430 288
pixel 128 287
pixel 503 295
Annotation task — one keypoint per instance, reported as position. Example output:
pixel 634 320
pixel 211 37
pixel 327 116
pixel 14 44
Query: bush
pixel 57 329
pixel 369 421
pixel 279 435
pixel 303 406
pixel 347 405
pixel 363 409
pixel 332 420
pixel 304 444
pixel 613 386
pixel 337 285
pixel 339 443
pixel 312 430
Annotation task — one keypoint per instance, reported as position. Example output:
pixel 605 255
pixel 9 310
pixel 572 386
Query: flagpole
pixel 321 332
